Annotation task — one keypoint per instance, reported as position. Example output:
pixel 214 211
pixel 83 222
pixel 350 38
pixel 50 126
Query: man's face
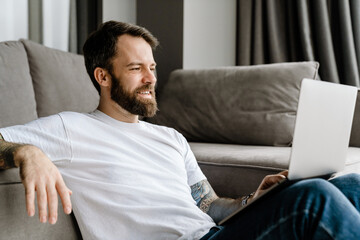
pixel 133 79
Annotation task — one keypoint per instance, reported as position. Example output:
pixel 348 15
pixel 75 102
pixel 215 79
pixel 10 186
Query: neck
pixel 112 109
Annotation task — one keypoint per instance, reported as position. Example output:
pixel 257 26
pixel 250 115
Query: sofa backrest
pixel 17 97
pixel 60 80
pixel 38 81
pixel 251 105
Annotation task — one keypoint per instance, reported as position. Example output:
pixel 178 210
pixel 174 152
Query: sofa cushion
pixel 253 105
pixel 237 170
pixel 60 80
pixel 18 104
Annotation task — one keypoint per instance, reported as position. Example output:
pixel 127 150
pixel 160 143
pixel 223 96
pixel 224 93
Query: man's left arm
pixel 219 208
pixel 207 200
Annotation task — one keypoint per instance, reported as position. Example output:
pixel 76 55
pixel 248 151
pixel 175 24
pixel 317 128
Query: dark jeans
pixel 309 209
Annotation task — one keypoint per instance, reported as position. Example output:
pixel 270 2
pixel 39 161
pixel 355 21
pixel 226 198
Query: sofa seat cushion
pixel 60 81
pixel 353 161
pixel 18 104
pixel 252 105
pixel 236 170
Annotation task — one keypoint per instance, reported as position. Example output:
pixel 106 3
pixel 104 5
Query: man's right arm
pixel 39 176
pixel 7 153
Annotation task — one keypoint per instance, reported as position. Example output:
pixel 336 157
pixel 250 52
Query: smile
pixel 145 94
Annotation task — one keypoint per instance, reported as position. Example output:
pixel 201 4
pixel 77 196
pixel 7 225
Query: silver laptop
pixel 321 136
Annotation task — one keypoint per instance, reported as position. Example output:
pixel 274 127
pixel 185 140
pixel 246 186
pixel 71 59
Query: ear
pixel 102 77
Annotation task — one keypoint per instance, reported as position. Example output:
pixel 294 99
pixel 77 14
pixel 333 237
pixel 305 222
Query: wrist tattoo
pixel 6 160
pixel 245 199
pixel 7 151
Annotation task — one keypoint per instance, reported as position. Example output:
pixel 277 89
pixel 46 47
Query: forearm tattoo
pixel 203 194
pixel 7 153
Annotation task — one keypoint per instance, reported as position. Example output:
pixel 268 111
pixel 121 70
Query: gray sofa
pixel 239 121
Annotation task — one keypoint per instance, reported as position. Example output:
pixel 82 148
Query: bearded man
pixel 130 179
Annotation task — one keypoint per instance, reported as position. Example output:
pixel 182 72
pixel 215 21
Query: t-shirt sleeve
pixel 194 173
pixel 46 133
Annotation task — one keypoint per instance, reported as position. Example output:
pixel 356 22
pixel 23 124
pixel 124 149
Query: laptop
pixel 321 136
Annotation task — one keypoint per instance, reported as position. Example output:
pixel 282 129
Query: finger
pixel 64 194
pixel 42 204
pixel 30 199
pixel 276 178
pixel 284 173
pixel 270 180
pixel 53 204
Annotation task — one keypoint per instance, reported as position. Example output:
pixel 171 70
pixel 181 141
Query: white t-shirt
pixel 129 180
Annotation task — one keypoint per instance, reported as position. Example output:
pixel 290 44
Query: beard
pixel 131 102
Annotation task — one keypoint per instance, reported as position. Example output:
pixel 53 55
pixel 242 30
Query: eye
pixel 135 69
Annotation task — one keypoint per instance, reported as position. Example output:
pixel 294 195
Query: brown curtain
pixel 327 31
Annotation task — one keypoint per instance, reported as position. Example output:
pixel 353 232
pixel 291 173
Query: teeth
pixel 147 92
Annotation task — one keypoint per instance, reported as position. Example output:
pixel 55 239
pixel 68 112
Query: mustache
pixel 148 87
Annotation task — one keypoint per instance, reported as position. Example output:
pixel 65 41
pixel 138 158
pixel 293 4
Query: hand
pixel 268 182
pixel 40 175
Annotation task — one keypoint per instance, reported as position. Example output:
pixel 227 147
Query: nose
pixel 149 77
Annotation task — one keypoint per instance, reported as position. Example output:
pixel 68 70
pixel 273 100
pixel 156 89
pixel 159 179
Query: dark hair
pixel 100 47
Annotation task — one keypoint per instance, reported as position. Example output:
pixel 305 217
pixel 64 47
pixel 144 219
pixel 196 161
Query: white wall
pixel 14 22
pixel 56 24
pixel 119 10
pixel 209 33
pixel 13 19
pixel 209 26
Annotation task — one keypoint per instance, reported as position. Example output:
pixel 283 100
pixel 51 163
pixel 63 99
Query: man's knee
pixel 352 177
pixel 312 190
pixel 346 181
pixel 315 185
